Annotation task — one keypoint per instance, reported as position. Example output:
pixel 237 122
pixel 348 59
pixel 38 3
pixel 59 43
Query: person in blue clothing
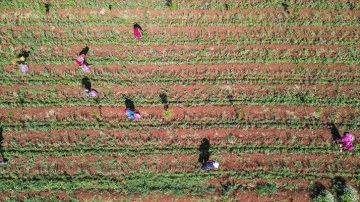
pixel 131 114
pixel 130 111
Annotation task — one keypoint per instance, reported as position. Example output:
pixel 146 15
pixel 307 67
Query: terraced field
pixel 256 78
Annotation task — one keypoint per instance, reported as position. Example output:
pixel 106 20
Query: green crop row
pixel 103 149
pixel 33 37
pixel 179 4
pixel 351 123
pixel 261 56
pixel 109 99
pixel 184 19
pixel 186 77
pixel 143 183
pixel 121 75
pixel 150 138
pixel 196 53
pixel 55 169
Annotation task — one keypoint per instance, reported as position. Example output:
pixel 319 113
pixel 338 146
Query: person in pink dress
pixel 346 142
pixel 81 60
pixel 137 31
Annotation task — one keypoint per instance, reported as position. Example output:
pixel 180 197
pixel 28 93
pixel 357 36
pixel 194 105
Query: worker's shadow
pixel 204 151
pixel 129 104
pixel 86 83
pixel 317 189
pixel 24 54
pixel 164 100
pixel 339 185
pixel 136 25
pixel 1 146
pixel 168 2
pixel 84 50
pixel 333 130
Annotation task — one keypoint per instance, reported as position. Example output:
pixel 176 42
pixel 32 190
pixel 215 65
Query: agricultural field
pixel 256 78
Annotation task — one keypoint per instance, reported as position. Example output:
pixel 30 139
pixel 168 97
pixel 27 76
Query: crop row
pixel 193 51
pixel 105 150
pixel 207 123
pixel 175 183
pixel 229 74
pixel 180 4
pixel 183 18
pixel 179 117
pixel 30 96
pixel 194 55
pixel 308 35
pixel 159 137
pixel 97 195
pixel 115 165
pixel 176 92
pixel 191 113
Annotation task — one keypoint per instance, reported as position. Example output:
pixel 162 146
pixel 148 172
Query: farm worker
pixel 210 165
pixel 131 114
pixel 346 142
pixel 137 31
pixel 24 67
pixel 21 61
pixel 80 60
pixel 85 68
pixel 4 161
pixel 91 93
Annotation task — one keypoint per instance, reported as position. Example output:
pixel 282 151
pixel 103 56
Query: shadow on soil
pixel 286 8
pixel 129 104
pixel 339 185
pixel 317 189
pixel 164 100
pixel 24 54
pixel 47 8
pixel 4 160
pixel 86 83
pixel 333 130
pixel 204 151
pixel 136 25
pixel 168 2
pixel 84 50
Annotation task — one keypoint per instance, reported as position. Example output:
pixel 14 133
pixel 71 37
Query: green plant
pixel 167 114
pixel 349 194
pixel 324 196
pixel 266 189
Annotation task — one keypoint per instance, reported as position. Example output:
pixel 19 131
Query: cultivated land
pixel 256 78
